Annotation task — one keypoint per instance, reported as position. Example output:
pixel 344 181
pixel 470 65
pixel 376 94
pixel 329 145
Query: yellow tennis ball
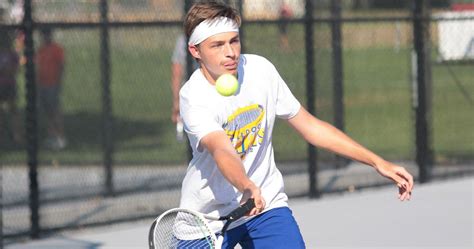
pixel 227 85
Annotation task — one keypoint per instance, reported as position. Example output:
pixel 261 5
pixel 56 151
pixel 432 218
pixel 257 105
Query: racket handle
pixel 242 210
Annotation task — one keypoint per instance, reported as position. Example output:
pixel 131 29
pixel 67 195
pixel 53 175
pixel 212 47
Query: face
pixel 218 54
pixel 46 37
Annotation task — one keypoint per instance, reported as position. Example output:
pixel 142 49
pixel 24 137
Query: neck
pixel 210 78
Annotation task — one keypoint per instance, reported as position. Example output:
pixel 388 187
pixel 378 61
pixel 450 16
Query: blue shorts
pixel 273 229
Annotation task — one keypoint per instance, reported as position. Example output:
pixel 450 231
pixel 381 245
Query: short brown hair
pixel 208 10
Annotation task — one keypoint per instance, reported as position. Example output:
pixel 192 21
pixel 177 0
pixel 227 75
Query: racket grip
pixel 242 210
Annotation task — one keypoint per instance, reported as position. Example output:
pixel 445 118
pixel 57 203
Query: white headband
pixel 208 28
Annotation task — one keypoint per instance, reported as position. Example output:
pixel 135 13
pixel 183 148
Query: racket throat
pixel 224 229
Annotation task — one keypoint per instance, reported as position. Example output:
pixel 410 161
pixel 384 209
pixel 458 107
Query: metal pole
pixel 107 117
pixel 1 204
pixel 31 119
pixel 1 209
pixel 337 62
pixel 189 58
pixel 311 100
pixel 422 94
pixel 338 86
pixel 189 71
pixel 242 28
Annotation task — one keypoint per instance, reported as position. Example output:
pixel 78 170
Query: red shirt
pixel 50 61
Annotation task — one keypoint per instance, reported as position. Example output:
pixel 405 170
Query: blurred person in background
pixel 50 70
pixel 178 74
pixel 178 71
pixel 285 13
pixel 9 62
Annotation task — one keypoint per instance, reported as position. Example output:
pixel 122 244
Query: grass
pixel 377 98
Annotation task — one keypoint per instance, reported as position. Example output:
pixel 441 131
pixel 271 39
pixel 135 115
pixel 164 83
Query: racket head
pixel 181 228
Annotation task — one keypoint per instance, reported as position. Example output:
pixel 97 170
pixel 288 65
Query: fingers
pixel 258 200
pixel 404 183
pixel 259 206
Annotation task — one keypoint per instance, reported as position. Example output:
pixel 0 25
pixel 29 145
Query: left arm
pixel 326 136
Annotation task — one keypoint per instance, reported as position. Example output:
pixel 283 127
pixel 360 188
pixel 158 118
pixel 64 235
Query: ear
pixel 194 51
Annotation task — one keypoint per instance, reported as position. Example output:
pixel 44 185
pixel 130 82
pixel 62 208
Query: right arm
pixel 231 167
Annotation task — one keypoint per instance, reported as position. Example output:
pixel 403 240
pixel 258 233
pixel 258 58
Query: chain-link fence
pixel 356 64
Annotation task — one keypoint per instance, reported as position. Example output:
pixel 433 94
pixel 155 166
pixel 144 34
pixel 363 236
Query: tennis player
pixel 231 137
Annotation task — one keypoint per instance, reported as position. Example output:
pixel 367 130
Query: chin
pixel 231 71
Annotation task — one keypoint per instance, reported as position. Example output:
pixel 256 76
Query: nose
pixel 229 50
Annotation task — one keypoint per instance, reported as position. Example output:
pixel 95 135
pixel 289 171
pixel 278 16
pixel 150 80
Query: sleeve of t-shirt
pixel 287 106
pixel 198 118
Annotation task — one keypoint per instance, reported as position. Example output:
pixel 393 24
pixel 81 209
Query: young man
pixel 231 136
pixel 50 62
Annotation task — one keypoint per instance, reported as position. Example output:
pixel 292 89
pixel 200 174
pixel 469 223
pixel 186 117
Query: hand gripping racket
pixel 184 228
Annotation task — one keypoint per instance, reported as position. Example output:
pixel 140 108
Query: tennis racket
pixel 184 228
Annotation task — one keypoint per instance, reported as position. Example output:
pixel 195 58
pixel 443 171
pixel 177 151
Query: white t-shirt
pixel 248 119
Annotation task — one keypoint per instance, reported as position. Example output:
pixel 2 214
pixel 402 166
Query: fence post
pixel 189 72
pixel 422 89
pixel 107 117
pixel 242 28
pixel 337 71
pixel 31 121
pixel 1 208
pixel 311 100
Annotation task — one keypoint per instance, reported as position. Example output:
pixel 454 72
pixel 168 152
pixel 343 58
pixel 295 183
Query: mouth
pixel 230 65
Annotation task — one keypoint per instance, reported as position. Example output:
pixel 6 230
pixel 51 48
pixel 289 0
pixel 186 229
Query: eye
pixel 216 45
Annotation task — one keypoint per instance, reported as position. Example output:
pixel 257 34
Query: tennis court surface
pixel 439 216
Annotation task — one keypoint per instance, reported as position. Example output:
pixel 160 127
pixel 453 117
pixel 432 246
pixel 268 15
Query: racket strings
pixel 182 230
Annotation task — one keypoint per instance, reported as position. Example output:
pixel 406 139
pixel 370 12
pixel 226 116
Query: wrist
pixel 247 186
pixel 378 162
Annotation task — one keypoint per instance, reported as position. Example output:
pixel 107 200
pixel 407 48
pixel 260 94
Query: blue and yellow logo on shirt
pixel 244 128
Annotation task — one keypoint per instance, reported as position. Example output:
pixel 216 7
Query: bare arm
pixel 176 79
pixel 231 167
pixel 326 136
